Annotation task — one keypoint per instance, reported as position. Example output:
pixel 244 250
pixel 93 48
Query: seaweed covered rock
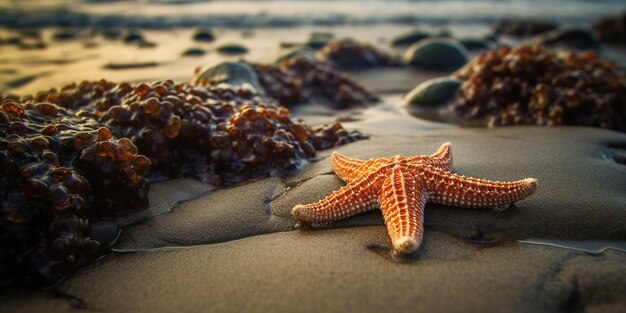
pixel 539 86
pixel 299 79
pixel 218 133
pixel 611 29
pixel 523 28
pixel 416 35
pixel 570 38
pixel 349 55
pixel 232 49
pixel 58 172
pixel 437 54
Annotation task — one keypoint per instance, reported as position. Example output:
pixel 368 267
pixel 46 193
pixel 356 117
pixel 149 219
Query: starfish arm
pixel 441 159
pixel 456 190
pixel 358 196
pixel 349 169
pixel 402 200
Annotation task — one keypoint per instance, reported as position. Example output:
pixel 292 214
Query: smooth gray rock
pixel 235 73
pixel 434 92
pixel 437 54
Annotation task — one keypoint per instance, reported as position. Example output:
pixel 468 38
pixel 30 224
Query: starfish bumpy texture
pixel 400 186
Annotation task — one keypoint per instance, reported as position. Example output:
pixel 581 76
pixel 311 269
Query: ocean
pixel 282 13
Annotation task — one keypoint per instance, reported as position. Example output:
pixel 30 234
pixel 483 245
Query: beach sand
pixel 202 248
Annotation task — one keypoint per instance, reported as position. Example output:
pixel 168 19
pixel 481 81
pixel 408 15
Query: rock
pixel 297 52
pixel 434 92
pixel 194 52
pixel 232 49
pixel 105 232
pixel 348 54
pixel 132 36
pixel 65 34
pixel 611 29
pixel 236 73
pixel 203 34
pixel 409 38
pixel 475 44
pixel 412 37
pixel 318 40
pixel 437 54
pixel 130 65
pixel 572 38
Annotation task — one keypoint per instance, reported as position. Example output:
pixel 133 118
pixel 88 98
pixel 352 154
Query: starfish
pixel 400 186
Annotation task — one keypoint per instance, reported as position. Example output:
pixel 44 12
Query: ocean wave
pixel 164 14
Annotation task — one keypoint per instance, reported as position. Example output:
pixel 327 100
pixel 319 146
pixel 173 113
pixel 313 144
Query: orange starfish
pixel 400 186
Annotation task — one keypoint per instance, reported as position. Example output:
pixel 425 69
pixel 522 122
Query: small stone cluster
pixel 534 85
pixel 350 55
pixel 72 156
pixel 301 79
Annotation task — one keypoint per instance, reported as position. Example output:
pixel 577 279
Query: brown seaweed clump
pixel 302 79
pixel 70 157
pixel 538 86
pixel 221 134
pixel 350 55
pixel 59 172
pixel 611 29
pixel 523 28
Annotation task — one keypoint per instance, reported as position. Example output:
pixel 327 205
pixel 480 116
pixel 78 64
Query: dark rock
pixel 235 73
pixel 204 34
pixel 611 29
pixel 351 55
pixel 194 52
pixel 523 28
pixel 105 232
pixel 132 37
pixel 125 66
pixel 475 44
pixel 232 49
pixel 572 38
